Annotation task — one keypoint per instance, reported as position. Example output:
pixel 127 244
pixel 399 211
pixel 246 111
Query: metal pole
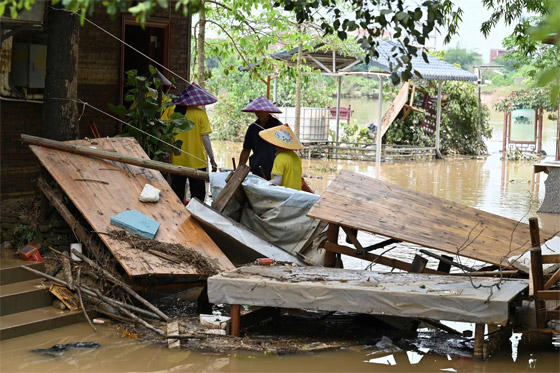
pixel 379 124
pixel 438 117
pixel 339 84
pixel 479 127
pixel 275 90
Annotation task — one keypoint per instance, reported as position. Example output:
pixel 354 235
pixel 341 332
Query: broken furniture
pixel 429 296
pixel 353 201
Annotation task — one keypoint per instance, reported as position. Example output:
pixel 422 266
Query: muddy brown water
pixel 509 189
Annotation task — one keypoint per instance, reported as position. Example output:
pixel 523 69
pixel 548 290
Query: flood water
pixel 508 189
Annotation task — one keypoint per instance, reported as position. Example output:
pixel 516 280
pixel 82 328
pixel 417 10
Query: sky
pixel 470 36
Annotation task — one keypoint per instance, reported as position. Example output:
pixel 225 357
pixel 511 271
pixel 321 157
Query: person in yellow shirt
pixel 196 145
pixel 286 170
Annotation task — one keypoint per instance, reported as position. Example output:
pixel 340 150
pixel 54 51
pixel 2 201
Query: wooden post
pixel 332 236
pixel 418 264
pixel 537 271
pixel 479 341
pixel 235 320
pixel 233 184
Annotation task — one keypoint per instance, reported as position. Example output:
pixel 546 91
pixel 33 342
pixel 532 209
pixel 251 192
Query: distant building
pixel 495 53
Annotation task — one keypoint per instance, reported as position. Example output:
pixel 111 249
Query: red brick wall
pixel 98 84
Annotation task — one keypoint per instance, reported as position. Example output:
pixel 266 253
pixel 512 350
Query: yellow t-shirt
pixel 192 140
pixel 288 164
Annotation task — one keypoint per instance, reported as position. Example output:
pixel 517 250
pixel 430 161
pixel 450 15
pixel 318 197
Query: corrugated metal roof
pixel 436 69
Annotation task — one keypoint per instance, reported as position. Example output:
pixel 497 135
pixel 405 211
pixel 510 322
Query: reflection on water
pixel 508 189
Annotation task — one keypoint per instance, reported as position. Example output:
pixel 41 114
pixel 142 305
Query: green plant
pixel 154 134
pixel 518 155
pixel 459 121
pixel 351 132
pixel 24 233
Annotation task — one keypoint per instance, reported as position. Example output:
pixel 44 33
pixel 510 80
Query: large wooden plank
pixel 102 188
pixel 396 107
pixel 390 210
pixel 437 297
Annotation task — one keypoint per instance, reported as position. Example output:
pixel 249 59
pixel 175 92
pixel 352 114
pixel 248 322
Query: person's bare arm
pixel 244 156
pixel 209 151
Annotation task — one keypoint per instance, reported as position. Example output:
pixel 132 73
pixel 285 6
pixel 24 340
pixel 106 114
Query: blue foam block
pixel 136 222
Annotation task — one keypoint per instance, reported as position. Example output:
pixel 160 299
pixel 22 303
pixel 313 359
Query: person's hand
pixel 214 165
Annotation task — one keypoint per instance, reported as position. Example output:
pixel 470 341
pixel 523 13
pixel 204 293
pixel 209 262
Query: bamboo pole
pixel 89 152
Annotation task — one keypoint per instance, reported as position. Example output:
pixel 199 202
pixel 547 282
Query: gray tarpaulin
pixel 453 298
pixel 275 213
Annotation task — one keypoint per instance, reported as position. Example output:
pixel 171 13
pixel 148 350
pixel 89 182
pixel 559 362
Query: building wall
pixel 98 85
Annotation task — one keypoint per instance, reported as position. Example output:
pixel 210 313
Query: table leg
pixel 235 319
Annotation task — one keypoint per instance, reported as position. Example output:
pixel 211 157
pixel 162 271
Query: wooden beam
pixel 89 152
pixel 537 271
pixel 234 183
pixel 394 263
pixel 551 258
pixel 551 281
pixel 418 264
pixel 351 237
pixel 543 295
pixel 332 239
pixel 479 341
pixel 235 314
pixel 445 259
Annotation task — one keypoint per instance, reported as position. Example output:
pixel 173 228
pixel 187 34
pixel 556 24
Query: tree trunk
pixel 60 112
pixel 558 131
pixel 200 44
pixel 297 120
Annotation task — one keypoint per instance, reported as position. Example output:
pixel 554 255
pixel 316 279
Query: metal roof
pixel 320 59
pixel 436 69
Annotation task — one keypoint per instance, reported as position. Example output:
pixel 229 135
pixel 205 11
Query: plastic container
pixel 78 248
pixel 30 253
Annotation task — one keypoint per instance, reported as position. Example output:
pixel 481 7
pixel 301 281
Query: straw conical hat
pixel 194 95
pixel 261 104
pixel 282 137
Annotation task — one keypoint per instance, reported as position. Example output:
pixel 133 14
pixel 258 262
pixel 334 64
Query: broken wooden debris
pixel 121 284
pixel 374 206
pixel 98 202
pixel 232 186
pixel 65 296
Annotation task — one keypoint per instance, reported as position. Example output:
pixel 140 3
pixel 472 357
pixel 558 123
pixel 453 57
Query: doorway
pixel 152 41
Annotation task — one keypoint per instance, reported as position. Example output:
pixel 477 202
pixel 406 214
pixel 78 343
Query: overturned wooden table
pixel 436 297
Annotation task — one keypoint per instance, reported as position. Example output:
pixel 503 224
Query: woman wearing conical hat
pixel 262 158
pixel 286 170
pixel 195 143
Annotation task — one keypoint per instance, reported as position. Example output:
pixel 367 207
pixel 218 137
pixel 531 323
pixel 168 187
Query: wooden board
pixel 396 107
pixel 102 188
pixel 429 296
pixel 390 210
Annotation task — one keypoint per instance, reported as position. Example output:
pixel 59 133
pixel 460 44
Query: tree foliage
pixel 464 58
pixel 144 116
